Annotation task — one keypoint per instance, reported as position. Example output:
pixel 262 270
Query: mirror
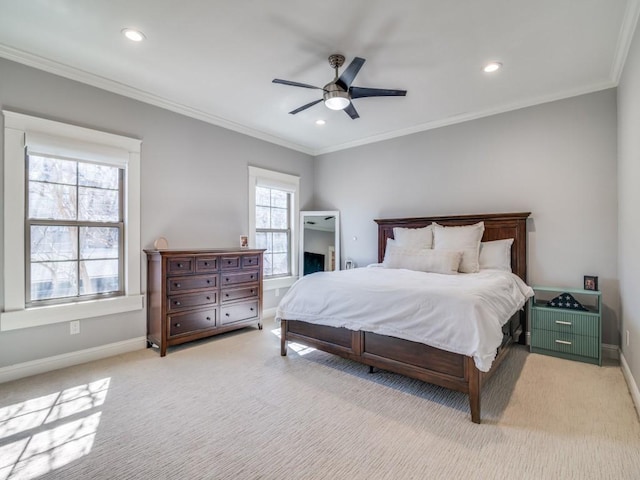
pixel 319 241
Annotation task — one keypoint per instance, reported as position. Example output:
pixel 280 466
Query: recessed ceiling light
pixel 320 122
pixel 492 67
pixel 133 35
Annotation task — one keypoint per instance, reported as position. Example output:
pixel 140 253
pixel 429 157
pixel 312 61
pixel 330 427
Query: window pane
pixel 280 264
pixel 263 196
pixel 53 243
pixel 280 243
pixel 267 264
pixel 47 169
pixel 98 276
pixel 52 201
pixel 99 242
pixel 263 240
pixel 279 199
pixel 279 218
pixel 263 217
pixel 53 280
pixel 90 175
pixel 98 205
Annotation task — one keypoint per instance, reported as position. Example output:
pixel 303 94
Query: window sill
pixel 282 282
pixel 35 317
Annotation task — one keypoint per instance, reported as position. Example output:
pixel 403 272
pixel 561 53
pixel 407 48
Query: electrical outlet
pixel 627 338
pixel 74 327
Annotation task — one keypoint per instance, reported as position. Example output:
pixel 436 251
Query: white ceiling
pixel 214 60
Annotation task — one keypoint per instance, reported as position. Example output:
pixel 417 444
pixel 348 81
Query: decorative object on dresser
pixel 194 294
pixel 590 282
pixel 564 327
pixel 418 360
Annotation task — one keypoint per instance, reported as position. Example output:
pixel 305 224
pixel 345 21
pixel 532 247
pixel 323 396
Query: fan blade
pixel 350 73
pixel 294 84
pixel 359 92
pixel 351 111
pixel 304 107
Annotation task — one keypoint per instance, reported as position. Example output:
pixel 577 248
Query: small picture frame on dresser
pixel 244 241
pixel 590 283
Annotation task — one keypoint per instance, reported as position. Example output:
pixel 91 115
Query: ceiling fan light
pixel 336 100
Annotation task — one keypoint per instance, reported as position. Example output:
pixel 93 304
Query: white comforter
pixel 459 313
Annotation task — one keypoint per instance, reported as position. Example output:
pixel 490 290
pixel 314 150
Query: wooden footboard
pixel 414 360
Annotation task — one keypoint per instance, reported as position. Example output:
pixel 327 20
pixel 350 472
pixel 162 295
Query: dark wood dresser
pixel 194 294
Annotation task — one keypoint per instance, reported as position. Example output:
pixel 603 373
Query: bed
pixel 415 359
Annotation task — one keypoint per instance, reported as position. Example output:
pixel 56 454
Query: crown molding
pixel 625 37
pixel 82 76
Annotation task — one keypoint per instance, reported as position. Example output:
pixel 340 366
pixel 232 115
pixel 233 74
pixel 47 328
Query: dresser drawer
pixel 181 284
pixel 566 343
pixel 227 263
pixel 229 295
pixel 239 277
pixel 188 322
pixel 250 261
pixel 206 264
pixel 179 302
pixel 238 313
pixel 579 323
pixel 180 265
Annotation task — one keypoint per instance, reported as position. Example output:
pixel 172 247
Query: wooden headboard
pixel 497 226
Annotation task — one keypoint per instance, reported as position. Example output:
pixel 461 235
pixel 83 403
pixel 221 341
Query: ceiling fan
pixel 339 93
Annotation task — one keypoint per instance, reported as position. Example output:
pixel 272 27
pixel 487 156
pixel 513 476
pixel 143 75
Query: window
pixel 71 223
pixel 273 210
pixel 73 229
pixel 273 230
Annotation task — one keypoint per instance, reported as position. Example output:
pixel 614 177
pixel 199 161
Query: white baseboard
pixel 268 312
pixel 42 365
pixel 631 383
pixel 612 352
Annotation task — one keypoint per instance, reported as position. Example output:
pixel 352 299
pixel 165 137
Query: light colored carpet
pixel 231 407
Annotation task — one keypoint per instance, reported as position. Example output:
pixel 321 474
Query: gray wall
pixel 193 188
pixel 556 160
pixel 628 204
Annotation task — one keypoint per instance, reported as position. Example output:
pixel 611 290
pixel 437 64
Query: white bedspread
pixel 459 313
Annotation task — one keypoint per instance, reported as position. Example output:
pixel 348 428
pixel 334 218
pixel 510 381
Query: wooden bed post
pixel 474 389
pixel 283 338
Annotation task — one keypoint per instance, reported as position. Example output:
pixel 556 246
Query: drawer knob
pixel 563 342
pixel 251 277
pixel 177 324
pixel 227 315
pixel 226 279
pixel 208 298
pixel 206 264
pixel 560 322
pixel 251 309
pixel 252 291
pixel 177 285
pixel 228 262
pixel 208 281
pixel 179 265
pixel 176 303
pixel 208 319
pixel 226 295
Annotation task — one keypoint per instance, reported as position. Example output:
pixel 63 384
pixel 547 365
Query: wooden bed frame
pixel 451 370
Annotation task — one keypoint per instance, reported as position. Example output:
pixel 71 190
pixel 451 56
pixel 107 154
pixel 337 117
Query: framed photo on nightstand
pixel 590 283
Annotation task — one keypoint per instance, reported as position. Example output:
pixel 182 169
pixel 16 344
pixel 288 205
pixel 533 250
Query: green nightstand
pixel 565 333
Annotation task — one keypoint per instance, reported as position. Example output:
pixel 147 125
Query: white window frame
pixel 281 181
pixel 17 127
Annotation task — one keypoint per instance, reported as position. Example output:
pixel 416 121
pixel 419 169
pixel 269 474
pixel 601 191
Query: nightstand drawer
pixel 566 343
pixel 574 322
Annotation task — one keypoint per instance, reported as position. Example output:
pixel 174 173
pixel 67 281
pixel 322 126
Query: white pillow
pixel 496 254
pixel 421 259
pixel 465 239
pixel 414 237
